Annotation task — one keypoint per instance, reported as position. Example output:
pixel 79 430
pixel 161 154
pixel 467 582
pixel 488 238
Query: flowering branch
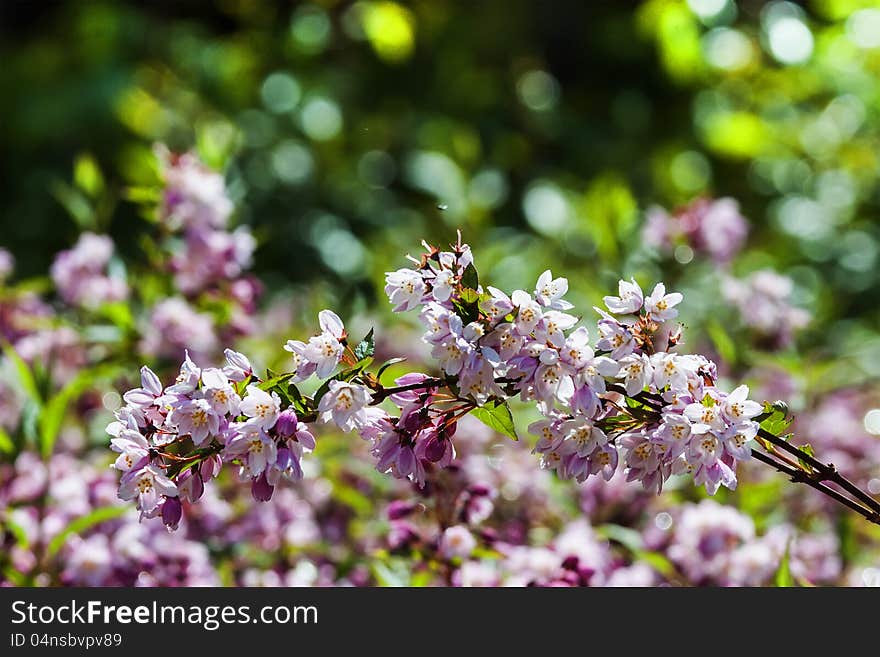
pixel 630 397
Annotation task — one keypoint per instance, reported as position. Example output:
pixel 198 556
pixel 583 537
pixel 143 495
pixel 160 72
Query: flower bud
pixel 479 490
pixel 191 486
pixel 172 511
pixel 286 423
pixel 399 509
pixel 435 448
pixel 210 467
pixel 238 360
pixel 261 489
pixel 570 563
pixel 413 420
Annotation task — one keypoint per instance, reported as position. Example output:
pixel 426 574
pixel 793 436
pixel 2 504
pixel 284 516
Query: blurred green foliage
pixel 350 130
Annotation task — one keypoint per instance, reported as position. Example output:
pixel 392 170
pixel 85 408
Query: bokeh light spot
pixel 872 421
pixel 310 29
pixel 663 521
pixel 292 162
pixel 390 29
pixel 863 28
pixel 538 90
pixel 690 171
pixel 546 208
pixel 727 49
pixel 280 92
pixel 791 41
pixel 321 119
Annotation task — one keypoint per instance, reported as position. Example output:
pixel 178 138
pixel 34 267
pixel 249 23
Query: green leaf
pixel 469 311
pixel 632 540
pixel 722 342
pixel 83 523
pixel 783 577
pixel 609 214
pixel 119 313
pixel 143 194
pixel 7 445
pixel 52 416
pixel 366 347
pixel 34 285
pixel 497 417
pixel 470 278
pixel 626 536
pixel 657 561
pixel 87 175
pixel 470 298
pixel 467 304
pixel 17 532
pixel 807 448
pixel 395 573
pixel 421 579
pixel 352 498
pixel 76 203
pixel 241 386
pixel 387 364
pixel 178 468
pixel 17 578
pixel 775 419
pixel 274 380
pixel 294 393
pixel 30 416
pixel 276 383
pixel 25 375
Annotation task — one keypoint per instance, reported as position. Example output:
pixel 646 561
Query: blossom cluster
pixel 172 440
pixel 629 397
pixel 205 258
pixel 195 204
pixel 91 279
pixel 627 401
pixel 416 438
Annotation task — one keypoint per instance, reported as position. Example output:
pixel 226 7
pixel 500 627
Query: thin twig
pixel 642 397
pixel 823 471
pixel 382 394
pixel 799 476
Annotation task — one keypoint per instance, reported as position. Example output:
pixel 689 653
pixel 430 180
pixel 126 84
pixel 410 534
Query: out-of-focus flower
pixel 764 303
pixel 195 196
pixel 457 542
pixel 81 277
pixel 175 326
pixel 712 227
